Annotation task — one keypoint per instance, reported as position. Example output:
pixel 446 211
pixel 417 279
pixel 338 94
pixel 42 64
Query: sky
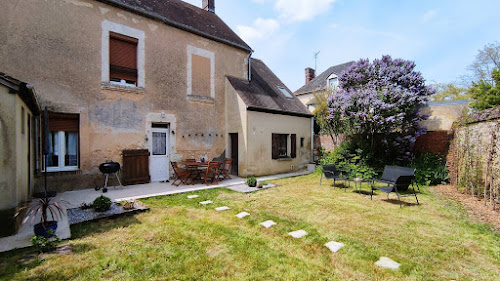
pixel 442 37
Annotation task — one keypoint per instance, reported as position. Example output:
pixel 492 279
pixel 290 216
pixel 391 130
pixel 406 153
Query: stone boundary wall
pixel 474 157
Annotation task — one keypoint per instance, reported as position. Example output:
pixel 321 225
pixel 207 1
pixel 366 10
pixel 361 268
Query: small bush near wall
pixel 430 169
pixel 353 162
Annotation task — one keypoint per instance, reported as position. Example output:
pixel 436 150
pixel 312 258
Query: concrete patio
pixel 77 197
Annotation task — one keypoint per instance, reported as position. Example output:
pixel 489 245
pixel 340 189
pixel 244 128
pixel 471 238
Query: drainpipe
pixel 250 66
pixel 312 139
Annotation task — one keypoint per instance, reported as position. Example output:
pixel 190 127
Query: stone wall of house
pixel 474 157
pixel 259 160
pixel 57 46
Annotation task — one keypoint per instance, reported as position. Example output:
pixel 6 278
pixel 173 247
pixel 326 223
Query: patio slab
pixel 386 262
pixel 242 215
pixel 268 223
pixel 334 246
pixel 298 233
pixel 223 208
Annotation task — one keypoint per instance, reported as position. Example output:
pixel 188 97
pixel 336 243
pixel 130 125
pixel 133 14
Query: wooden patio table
pixel 196 168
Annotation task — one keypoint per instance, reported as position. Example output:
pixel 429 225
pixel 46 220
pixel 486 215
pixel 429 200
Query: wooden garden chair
pixel 212 172
pixel 225 169
pixel 181 175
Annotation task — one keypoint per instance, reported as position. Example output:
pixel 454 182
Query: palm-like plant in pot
pixel 44 206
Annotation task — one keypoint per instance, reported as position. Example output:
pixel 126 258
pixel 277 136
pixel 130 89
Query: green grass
pixel 182 240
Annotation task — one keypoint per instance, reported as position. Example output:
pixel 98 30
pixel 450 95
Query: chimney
pixel 309 74
pixel 209 5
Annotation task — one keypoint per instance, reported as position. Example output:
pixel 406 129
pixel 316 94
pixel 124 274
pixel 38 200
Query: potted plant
pixel 43 206
pixel 251 181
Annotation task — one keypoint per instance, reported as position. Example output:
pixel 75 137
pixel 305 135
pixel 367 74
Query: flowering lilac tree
pixel 379 102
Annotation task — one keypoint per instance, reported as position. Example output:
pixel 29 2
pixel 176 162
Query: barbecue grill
pixel 108 168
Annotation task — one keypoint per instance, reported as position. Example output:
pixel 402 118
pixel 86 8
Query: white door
pixel 159 154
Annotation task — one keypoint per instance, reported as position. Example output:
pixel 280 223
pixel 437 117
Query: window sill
pixel 284 159
pixel 66 169
pixel 201 98
pixel 121 88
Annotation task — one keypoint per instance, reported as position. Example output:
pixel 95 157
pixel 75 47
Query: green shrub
pixel 101 204
pixel 430 169
pixel 43 244
pixel 353 162
pixel 251 181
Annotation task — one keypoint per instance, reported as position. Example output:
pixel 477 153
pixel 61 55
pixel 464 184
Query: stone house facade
pixel 118 75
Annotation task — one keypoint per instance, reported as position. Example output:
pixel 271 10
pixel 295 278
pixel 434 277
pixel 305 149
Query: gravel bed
pixel 77 215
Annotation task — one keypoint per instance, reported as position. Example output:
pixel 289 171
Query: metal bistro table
pixel 358 181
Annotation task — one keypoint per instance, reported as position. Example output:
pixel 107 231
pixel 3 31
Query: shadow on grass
pixel 364 192
pixel 102 225
pixel 13 262
pixel 404 203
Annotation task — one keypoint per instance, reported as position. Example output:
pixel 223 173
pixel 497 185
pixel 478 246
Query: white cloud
pixel 429 15
pixel 260 29
pixel 301 10
pixel 333 25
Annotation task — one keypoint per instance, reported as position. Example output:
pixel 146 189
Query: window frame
pixel 112 27
pixel 61 167
pixel 291 148
pixel 332 77
pixel 191 50
pixel 61 136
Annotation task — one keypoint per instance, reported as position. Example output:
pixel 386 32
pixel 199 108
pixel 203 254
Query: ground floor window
pixel 283 146
pixel 63 142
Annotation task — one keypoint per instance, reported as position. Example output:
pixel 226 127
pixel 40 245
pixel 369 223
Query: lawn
pixel 180 239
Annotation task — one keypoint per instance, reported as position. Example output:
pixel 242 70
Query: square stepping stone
pixel 222 208
pixel 298 233
pixel 192 196
pixel 334 246
pixel 268 223
pixel 242 215
pixel 206 202
pixel 386 262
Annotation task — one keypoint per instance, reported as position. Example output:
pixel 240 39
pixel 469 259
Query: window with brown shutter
pixel 122 58
pixel 279 146
pixel 64 139
pixel 293 146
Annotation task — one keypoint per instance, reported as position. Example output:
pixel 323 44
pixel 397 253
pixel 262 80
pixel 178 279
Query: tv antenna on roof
pixel 316 60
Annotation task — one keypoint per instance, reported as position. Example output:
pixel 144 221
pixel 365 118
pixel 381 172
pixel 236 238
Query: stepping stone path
pixel 334 246
pixel 192 196
pixel 222 208
pixel 386 262
pixel 298 233
pixel 206 202
pixel 267 224
pixel 242 215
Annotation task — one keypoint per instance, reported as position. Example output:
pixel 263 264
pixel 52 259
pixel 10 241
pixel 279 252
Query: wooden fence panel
pixel 136 166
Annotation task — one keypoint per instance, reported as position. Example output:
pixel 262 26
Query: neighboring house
pixel 439 125
pixel 324 83
pixel 19 111
pixel 269 128
pixel 121 75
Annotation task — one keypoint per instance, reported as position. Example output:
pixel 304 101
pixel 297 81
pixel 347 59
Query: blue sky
pixel 442 37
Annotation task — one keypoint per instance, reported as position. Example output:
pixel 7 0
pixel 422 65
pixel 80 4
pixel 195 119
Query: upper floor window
pixel 333 82
pixel 122 59
pixel 200 74
pixel 122 52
